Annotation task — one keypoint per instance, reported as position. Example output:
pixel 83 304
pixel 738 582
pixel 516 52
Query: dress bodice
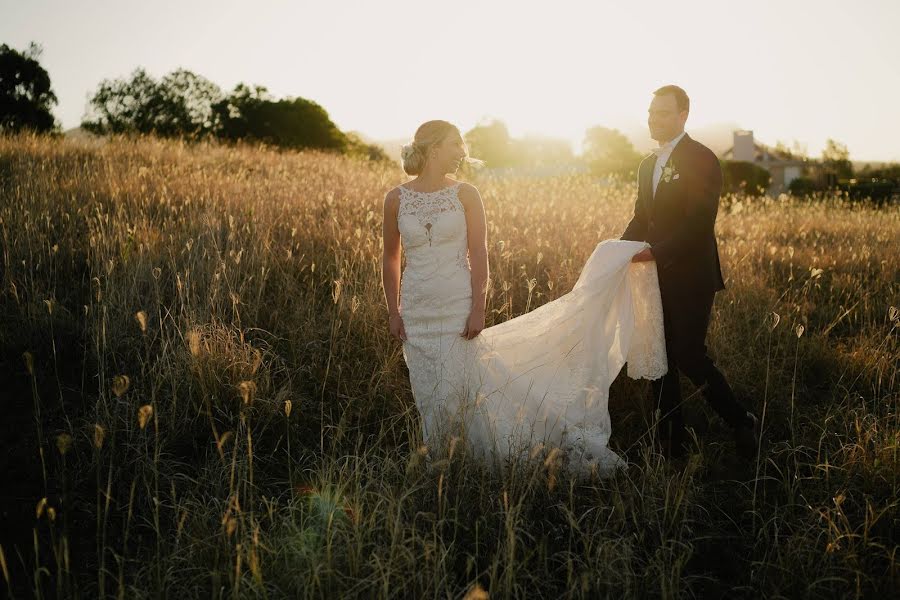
pixel 433 229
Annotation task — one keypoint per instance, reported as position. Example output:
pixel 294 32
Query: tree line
pixel 605 152
pixel 181 104
pixel 186 105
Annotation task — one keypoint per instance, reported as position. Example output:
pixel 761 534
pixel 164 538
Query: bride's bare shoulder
pixel 468 194
pixel 392 199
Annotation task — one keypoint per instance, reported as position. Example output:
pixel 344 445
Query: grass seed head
pixel 230 525
pixel 476 592
pixel 193 340
pixel 120 385
pixel 222 440
pixel 247 389
pixel 4 566
pixel 39 509
pixel 453 442
pixel 99 435
pixel 550 461
pixel 141 318
pixel 63 443
pixel 144 414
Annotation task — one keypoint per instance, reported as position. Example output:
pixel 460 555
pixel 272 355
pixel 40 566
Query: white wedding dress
pixel 541 378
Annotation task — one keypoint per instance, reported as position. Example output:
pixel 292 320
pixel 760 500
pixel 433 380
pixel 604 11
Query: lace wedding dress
pixel 539 379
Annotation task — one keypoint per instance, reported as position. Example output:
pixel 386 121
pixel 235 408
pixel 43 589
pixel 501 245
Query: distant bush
pixel 249 114
pixel 804 186
pixel 741 176
pixel 491 143
pixel 178 105
pixel 185 105
pixel 836 162
pixel 878 190
pixel 609 152
pixel 887 171
pixel 359 148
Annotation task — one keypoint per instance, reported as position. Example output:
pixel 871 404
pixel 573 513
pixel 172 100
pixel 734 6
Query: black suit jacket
pixel 679 222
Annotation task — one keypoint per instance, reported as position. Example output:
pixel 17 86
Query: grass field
pixel 202 399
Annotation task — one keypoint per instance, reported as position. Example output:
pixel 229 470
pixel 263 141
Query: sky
pixel 788 69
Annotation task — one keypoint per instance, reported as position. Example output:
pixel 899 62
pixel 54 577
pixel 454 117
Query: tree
pixel 608 152
pixel 889 171
pixel 796 151
pixel 180 105
pixel 191 99
pixel 184 104
pixel 799 150
pixel 836 162
pixel 25 93
pixel 541 151
pixel 359 147
pixel 123 105
pixel 249 113
pixel 491 143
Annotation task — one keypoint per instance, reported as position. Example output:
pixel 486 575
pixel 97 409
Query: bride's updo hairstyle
pixel 429 134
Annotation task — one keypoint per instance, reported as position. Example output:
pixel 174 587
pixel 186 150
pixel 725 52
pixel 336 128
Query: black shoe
pixel 746 438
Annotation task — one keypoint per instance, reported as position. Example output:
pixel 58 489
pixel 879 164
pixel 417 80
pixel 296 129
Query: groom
pixel 675 212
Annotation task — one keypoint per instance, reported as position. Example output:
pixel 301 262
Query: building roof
pixel 765 156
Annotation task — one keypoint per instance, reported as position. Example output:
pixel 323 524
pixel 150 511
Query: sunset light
pixel 790 71
pixel 400 299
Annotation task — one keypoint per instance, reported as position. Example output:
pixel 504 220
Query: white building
pixel 783 168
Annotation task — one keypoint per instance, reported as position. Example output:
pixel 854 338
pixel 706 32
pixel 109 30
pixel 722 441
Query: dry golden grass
pixel 206 325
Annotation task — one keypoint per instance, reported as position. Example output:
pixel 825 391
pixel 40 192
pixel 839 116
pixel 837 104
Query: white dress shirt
pixel 662 157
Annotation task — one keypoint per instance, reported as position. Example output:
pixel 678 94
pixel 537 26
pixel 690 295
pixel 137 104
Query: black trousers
pixel 686 320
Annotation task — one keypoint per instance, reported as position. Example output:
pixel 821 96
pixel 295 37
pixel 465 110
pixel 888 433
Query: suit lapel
pixel 662 191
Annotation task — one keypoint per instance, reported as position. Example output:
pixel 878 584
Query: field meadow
pixel 202 399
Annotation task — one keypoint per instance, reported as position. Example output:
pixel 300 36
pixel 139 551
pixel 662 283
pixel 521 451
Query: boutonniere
pixel 669 173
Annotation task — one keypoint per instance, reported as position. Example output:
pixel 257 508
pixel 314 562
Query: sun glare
pixel 552 70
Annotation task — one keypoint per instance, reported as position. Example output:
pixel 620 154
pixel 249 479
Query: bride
pixel 539 380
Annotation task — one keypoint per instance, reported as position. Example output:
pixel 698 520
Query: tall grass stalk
pixel 227 281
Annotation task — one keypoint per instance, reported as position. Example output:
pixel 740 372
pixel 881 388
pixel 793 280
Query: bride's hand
pixel 396 327
pixel 474 324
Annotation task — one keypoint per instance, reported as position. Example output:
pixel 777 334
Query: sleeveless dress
pixel 540 380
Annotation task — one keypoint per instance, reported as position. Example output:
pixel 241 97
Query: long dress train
pixel 540 378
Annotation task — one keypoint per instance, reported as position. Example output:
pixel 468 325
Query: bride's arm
pixel 390 263
pixel 476 234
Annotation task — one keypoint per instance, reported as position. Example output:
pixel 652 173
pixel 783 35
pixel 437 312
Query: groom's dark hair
pixel 681 97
